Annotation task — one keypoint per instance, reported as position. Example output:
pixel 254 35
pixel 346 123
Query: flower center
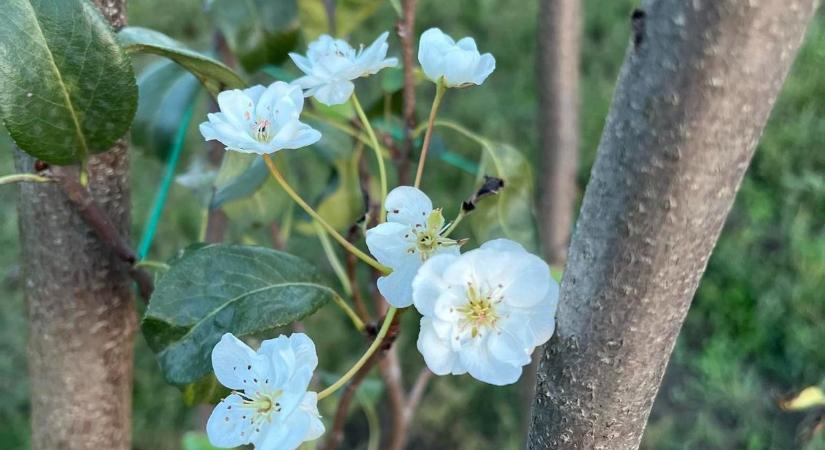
pixel 480 311
pixel 428 239
pixel 262 130
pixel 264 403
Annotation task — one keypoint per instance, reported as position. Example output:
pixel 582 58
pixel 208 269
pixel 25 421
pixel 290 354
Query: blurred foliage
pixel 752 338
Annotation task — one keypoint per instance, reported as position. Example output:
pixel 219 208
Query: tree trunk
pixel 559 37
pixel 80 306
pixel 693 96
pixel 557 81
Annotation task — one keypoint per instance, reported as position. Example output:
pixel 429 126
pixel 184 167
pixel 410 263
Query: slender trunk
pixel 557 61
pixel 693 96
pixel 559 37
pixel 80 306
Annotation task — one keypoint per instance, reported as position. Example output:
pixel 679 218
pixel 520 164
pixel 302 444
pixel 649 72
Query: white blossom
pixel 484 311
pixel 269 406
pixel 331 64
pixel 458 63
pixel 411 235
pixel 260 120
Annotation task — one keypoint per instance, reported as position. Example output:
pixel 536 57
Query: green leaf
pixel 217 289
pixel 349 15
pixel 810 397
pixel 510 214
pixel 214 75
pixel 165 92
pixel 67 89
pixel 259 32
pixel 206 390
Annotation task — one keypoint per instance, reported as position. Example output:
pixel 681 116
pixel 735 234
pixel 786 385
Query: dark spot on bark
pixel 637 23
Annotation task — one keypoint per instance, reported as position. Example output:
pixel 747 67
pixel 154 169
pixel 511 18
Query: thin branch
pixel 406 31
pixel 91 213
pixel 417 392
pixel 336 435
pixel 21 177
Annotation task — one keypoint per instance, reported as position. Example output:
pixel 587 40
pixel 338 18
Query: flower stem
pixel 440 89
pixel 385 326
pixel 382 170
pixel 335 235
pixel 157 265
pixel 19 177
pixel 455 223
pixel 359 324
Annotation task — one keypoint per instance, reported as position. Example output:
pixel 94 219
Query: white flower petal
pixel 254 93
pixel 432 46
pixel 429 283
pixel 486 66
pixel 408 205
pixel 459 67
pixel 301 61
pixel 303 136
pixel 316 427
pixel 389 242
pixel 508 348
pixel 503 245
pixel 482 366
pixel 238 108
pixel 397 286
pixel 541 321
pixel 227 427
pixel 272 105
pixel 468 44
pixel 286 435
pixel 230 359
pixel 438 356
pixel 334 92
pixel 458 63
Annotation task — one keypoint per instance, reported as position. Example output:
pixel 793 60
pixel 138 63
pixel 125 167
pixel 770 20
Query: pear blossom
pixel 260 120
pixel 459 64
pixel 485 311
pixel 331 64
pixel 269 406
pixel 411 235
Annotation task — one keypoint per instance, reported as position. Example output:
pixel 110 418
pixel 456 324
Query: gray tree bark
pixel 693 96
pixel 79 305
pixel 559 43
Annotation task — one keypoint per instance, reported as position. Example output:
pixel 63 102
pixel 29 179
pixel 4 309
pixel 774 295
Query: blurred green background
pixel 755 332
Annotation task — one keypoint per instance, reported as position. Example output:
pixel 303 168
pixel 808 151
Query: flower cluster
pixel 483 311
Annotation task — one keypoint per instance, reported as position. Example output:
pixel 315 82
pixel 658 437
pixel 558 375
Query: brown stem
pixel 406 32
pixel 336 435
pixel 390 368
pixel 67 179
pixel 352 264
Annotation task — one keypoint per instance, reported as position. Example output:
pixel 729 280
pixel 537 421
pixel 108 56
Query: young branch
pixel 336 435
pixel 67 179
pixel 406 32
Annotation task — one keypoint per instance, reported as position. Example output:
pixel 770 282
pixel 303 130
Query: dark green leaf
pixel 66 87
pixel 214 75
pixel 219 289
pixel 259 32
pixel 206 390
pixel 166 90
